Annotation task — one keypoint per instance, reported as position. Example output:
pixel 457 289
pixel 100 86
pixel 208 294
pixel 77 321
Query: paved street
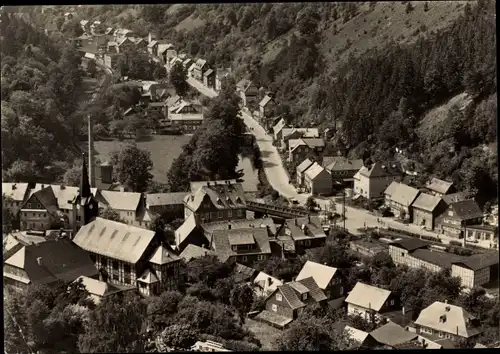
pixel 278 179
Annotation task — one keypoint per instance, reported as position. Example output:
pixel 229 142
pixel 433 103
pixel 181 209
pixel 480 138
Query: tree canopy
pixel 133 167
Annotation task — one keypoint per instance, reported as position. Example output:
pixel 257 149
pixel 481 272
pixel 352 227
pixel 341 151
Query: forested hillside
pixel 372 69
pixel 40 86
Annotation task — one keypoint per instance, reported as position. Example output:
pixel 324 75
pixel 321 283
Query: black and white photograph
pixel 260 176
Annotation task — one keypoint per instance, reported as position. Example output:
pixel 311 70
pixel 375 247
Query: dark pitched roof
pixel 222 245
pixel 442 259
pixel 467 209
pixel 479 261
pixel 410 244
pixel 243 271
pixel 316 293
pixel 340 163
pixel 48 199
pixel 60 259
pixel 438 185
pixel 379 169
pixel 392 334
pixel 455 197
pixel 290 296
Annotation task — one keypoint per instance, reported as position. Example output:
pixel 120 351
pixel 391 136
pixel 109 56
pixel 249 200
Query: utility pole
pixel 343 206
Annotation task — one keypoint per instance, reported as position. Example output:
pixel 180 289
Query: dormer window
pixel 450 213
pixel 220 201
pixel 234 248
pixel 304 296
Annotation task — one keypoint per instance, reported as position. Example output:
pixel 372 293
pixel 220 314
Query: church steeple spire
pixel 85 191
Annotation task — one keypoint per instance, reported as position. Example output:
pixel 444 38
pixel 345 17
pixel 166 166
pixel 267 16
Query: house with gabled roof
pixel 342 169
pixel 448 321
pixel 299 148
pixel 317 181
pixel 209 78
pixel 98 289
pixel 47 262
pixel 370 301
pixel 287 134
pixel 476 270
pixel 216 201
pixel 249 93
pixel 129 205
pixel 153 48
pixel 426 208
pixel 220 76
pixel 399 198
pixel 190 233
pixel 371 181
pixel 328 278
pixel 277 129
pixel 266 107
pixel 284 304
pixel 457 216
pixel 300 234
pixel 129 255
pixel 169 203
pixel 301 169
pixel 439 187
pixel 14 195
pixel 360 339
pixel 392 335
pixel 264 284
pixel 192 252
pixel 245 246
pixel 40 211
pixel 199 69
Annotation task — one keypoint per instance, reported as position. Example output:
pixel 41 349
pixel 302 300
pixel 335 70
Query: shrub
pixel 455 243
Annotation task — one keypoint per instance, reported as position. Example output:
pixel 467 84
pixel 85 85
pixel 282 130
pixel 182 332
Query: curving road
pixel 278 179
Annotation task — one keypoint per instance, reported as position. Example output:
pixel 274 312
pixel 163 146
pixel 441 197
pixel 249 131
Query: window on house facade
pixel 104 262
pixel 240 212
pixel 229 213
pixel 279 297
pixel 234 248
pixel 341 290
pixel 260 257
pixel 78 218
pixel 221 214
pixel 38 205
pixel 392 302
pixel 402 254
pixel 244 258
pixel 304 296
pixel 29 205
pixel 274 307
pixel 307 242
pixel 115 265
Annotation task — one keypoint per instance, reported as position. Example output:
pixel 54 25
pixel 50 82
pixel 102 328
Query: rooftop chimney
pixel 14 186
pixel 269 281
pixel 39 261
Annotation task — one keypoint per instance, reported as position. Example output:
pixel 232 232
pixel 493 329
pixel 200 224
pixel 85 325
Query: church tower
pixel 85 206
pixel 91 152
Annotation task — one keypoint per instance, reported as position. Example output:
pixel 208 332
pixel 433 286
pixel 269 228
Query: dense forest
pixel 40 86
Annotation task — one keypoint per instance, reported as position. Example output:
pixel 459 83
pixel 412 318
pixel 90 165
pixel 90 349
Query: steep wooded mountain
pixel 369 71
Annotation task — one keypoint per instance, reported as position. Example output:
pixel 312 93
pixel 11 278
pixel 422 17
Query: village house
pixel 235 224
pixel 399 197
pixel 14 241
pixel 130 206
pixel 40 211
pixel 456 197
pixel 416 254
pixel 367 301
pixel 300 148
pixel 264 284
pixel 85 25
pixel 209 78
pixel 121 33
pixel 484 234
pixel 367 248
pixel 249 93
pixel 208 346
pixel 476 270
pixel 171 204
pixel 245 246
pixel 287 134
pixel 171 61
pixel 266 107
pixel 301 169
pixel 16 193
pixel 371 181
pixel 141 44
pixel 304 233
pixel 124 45
pixel 98 289
pixel 165 51
pixel 97 28
pixel 391 335
pixel 455 219
pixel 190 70
pixel 190 233
pixel 447 321
pixel 361 339
pixel 45 263
pixel 128 255
pixel 439 187
pixel 287 301
pixel 277 128
pixel 220 76
pixel 425 209
pixel 342 169
pixel 329 279
pixel 199 69
pixel 186 122
pixel 216 201
pixel 158 107
pixel 317 181
pixel 153 48
pixel 187 63
pixel 193 252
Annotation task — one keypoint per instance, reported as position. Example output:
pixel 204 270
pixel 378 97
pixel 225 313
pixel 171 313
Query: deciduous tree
pixel 133 167
pixel 178 76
